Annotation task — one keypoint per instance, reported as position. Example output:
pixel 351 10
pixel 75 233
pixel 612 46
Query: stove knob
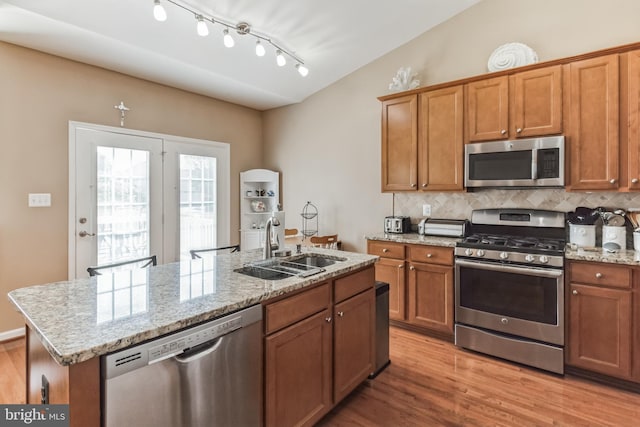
pixel 544 259
pixel 480 253
pixel 504 255
pixel 529 258
pixel 468 252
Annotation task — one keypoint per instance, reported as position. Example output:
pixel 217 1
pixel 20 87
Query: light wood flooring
pixel 433 383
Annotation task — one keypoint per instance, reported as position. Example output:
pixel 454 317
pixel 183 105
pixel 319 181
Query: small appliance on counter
pixel 443 227
pixel 397 224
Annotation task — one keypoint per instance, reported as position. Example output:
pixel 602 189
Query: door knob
pixel 85 234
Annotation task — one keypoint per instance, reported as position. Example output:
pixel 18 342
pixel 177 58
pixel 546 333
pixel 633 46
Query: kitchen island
pixel 70 324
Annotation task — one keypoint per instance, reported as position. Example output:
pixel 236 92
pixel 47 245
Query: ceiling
pixel 332 37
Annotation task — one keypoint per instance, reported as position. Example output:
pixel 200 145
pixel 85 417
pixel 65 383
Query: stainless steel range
pixel 509 286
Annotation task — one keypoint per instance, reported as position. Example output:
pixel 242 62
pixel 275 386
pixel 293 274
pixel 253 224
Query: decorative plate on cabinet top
pixel 511 55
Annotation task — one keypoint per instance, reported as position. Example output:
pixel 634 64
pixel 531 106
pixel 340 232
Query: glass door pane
pixel 123 210
pixel 198 203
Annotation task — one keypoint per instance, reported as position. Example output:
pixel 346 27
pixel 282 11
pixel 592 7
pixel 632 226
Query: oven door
pixel 516 300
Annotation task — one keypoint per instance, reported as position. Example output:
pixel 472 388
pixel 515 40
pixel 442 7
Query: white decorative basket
pixel 511 55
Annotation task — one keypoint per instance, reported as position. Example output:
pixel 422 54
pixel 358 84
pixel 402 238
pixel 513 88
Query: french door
pixel 133 194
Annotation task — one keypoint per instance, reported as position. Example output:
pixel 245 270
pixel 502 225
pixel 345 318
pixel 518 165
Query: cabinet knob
pixel 503 131
pixel 429 255
pixel 574 292
pixel 328 319
pixel 425 185
pixel 612 181
pixel 413 185
pixel 634 181
pixel 400 266
pixel 519 130
pixel 598 275
pixel 385 250
pixel 341 313
pixel 412 267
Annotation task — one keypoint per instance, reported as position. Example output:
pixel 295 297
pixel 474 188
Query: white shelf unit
pixel 258 186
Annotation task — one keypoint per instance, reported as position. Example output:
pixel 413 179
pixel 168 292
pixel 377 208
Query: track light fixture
pixel 241 28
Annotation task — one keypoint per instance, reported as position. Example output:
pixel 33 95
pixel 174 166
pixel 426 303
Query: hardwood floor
pixel 433 383
pixel 12 371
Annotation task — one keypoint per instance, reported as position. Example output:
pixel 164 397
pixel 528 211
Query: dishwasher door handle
pixel 207 348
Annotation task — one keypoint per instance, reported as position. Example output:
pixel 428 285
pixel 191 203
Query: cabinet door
pixel 353 342
pixel 592 133
pixel 536 102
pixel 631 110
pixel 298 372
pixel 600 329
pixel 400 144
pixel 431 297
pixel 488 109
pixel 392 271
pixel 440 139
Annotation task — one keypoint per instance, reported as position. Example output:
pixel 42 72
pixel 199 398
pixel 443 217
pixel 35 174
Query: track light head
pixel 228 40
pixel 280 59
pixel 201 26
pixel 260 51
pixel 304 71
pixel 158 11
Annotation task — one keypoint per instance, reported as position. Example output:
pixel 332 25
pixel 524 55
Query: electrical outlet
pixel 426 210
pixel 39 200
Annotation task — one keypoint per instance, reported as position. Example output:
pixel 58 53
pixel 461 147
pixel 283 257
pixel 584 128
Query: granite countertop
pixel 626 257
pixel 81 319
pixel 417 239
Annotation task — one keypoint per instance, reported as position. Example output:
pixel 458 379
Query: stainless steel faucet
pixel 269 246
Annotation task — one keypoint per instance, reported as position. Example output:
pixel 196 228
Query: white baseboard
pixel 9 335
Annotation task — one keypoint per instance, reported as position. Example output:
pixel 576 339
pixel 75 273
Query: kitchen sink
pixel 299 265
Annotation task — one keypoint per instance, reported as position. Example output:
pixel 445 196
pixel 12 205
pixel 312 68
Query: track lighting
pixel 228 40
pixel 259 49
pixel 241 28
pixel 158 11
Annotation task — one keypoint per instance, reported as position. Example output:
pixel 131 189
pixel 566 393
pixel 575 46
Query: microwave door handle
pixel 534 164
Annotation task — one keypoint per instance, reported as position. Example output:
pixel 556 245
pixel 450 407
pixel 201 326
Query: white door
pixel 133 194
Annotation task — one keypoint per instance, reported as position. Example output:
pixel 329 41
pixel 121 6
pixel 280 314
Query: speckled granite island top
pixel 416 239
pixel 81 319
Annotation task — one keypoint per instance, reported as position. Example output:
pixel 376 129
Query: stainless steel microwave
pixel 534 162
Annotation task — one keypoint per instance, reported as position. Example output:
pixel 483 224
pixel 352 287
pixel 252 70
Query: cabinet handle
pixel 612 181
pixel 341 313
pixel 425 185
pixel 598 275
pixel 503 131
pixel 519 130
pixel 413 185
pixel 429 255
pixel 385 250
pixel 574 292
pixel 328 319
pixel 634 181
pixel 412 267
pixel 400 266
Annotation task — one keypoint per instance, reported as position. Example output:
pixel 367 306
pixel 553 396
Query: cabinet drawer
pixel 295 308
pixel 353 284
pixel 386 249
pixel 431 254
pixel 601 274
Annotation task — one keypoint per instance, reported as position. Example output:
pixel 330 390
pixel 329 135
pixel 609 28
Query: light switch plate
pixel 426 210
pixel 39 200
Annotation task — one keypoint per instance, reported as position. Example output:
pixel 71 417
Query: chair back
pixel 328 242
pixel 197 253
pixel 141 263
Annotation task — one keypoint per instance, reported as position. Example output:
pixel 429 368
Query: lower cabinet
pixel 319 346
pixel 600 309
pixel 431 296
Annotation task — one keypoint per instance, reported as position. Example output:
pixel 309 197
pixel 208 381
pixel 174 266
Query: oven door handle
pixel 531 271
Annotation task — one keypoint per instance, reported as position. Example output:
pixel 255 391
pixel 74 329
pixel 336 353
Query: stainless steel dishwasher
pixel 207 375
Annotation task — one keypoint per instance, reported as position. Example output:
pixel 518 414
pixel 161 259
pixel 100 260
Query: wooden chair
pixel 142 263
pixel 197 253
pixel 290 232
pixel 328 242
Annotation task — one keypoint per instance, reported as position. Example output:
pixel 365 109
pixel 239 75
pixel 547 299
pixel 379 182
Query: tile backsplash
pixel 460 205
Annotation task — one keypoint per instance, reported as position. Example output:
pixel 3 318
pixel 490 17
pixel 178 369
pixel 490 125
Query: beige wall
pixel 39 94
pixel 328 147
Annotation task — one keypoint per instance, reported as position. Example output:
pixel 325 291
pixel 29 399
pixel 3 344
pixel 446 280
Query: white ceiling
pixel 332 37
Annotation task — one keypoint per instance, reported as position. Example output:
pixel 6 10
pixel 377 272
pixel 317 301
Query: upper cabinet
pixel 591 123
pixel 630 121
pixel 400 144
pixel 525 104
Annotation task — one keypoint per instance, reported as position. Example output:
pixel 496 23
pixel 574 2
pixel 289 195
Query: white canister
pixel 582 235
pixel 636 240
pixel 618 235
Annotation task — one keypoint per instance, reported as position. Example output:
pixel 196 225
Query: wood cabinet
pixel 400 144
pixel 440 139
pixel 316 352
pixel 525 104
pixel 421 295
pixel 630 121
pixel 592 120
pixel 600 318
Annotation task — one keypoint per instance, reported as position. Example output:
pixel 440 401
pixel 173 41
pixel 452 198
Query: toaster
pixel 397 224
